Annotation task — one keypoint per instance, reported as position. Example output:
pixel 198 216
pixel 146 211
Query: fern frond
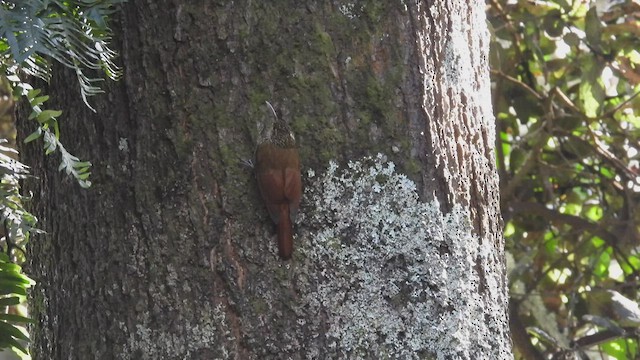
pixel 73 33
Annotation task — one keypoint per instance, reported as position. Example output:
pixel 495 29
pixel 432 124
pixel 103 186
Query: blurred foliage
pixel 16 223
pixel 73 33
pixel 35 33
pixel 566 79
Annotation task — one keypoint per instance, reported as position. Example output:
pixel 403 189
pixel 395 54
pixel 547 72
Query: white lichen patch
pixel 147 342
pixel 123 145
pixel 347 10
pixel 391 276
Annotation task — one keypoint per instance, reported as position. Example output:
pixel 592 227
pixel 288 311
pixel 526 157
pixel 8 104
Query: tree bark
pixel 172 255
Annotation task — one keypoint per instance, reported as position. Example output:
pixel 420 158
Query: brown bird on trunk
pixel 278 174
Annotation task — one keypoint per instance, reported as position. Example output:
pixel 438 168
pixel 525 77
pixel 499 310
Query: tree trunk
pixel 171 254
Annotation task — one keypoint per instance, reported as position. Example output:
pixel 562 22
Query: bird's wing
pixel 271 183
pixel 292 190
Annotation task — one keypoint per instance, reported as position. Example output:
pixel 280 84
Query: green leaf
pixel 9 301
pixel 601 267
pixel 606 172
pixel 48 114
pixel 516 159
pixel 34 135
pixel 31 94
pixel 9 269
pixel 16 318
pixel 593 28
pixel 39 100
pixel 11 342
pixel 597 242
pixel 12 289
pixel 82 164
pixel 572 209
pixel 593 212
pixel 16 278
pixel 553 24
pixel 572 39
pixel 591 89
pixel 8 266
pixel 13 331
pixel 616 348
pixel 631 266
pixel 590 103
pixel 509 229
pixel 550 246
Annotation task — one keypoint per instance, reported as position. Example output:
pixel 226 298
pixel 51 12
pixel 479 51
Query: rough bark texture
pixel 171 254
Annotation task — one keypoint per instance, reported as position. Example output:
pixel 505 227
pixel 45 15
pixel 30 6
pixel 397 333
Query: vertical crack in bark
pixel 232 255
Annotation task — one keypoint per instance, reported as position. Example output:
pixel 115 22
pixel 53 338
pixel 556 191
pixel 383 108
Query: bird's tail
pixel 285 234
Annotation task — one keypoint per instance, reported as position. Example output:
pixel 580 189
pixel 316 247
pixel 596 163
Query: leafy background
pixel 565 89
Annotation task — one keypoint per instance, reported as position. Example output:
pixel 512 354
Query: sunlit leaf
pixel 601 267
pixel 597 242
pixel 591 89
pixel 593 212
pixel 572 209
pixel 551 245
pixel 616 348
pixel 634 261
pixel 509 229
pixel 607 172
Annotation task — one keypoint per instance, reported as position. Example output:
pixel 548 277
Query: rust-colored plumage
pixel 278 175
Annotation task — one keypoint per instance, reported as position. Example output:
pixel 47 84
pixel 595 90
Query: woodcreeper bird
pixel 277 169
